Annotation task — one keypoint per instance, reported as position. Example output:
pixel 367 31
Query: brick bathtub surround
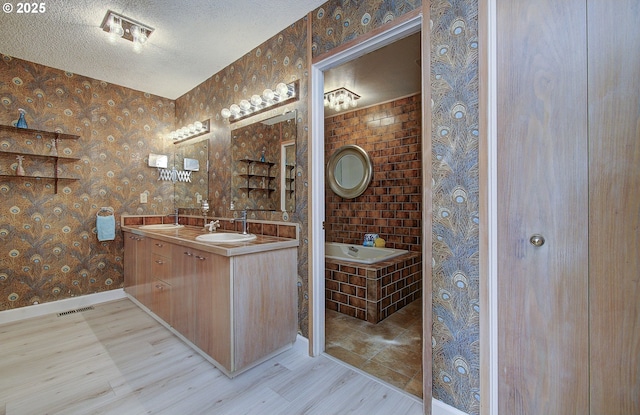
pixel 373 292
pixel 391 206
pixel 281 230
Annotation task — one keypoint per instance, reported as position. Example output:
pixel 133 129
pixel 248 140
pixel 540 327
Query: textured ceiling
pixel 192 40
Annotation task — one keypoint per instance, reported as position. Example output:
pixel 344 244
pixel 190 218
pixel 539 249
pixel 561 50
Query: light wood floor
pixel 116 359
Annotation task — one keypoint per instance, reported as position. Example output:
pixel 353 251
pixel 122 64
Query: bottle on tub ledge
pixel 370 239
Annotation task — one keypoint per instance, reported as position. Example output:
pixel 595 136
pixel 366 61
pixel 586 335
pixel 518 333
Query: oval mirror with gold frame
pixel 349 171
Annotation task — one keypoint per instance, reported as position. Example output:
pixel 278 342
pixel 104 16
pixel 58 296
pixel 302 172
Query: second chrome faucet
pixel 243 219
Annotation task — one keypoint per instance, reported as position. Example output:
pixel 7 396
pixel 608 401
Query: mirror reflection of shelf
pixel 264 186
pixel 290 179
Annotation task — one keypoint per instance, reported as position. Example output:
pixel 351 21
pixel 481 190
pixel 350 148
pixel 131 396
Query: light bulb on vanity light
pixel 268 95
pixel 282 90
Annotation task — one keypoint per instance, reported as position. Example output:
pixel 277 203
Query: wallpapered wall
pixel 52 235
pixel 454 84
pixel 49 249
pixel 454 90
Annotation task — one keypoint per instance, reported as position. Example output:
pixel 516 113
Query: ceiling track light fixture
pixel 341 99
pixel 119 26
pixel 270 99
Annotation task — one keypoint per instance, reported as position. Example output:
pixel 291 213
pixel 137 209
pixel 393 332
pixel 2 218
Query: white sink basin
pixel 225 237
pixel 162 226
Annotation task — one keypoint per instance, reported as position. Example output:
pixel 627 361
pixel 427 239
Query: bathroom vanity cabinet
pixel 236 310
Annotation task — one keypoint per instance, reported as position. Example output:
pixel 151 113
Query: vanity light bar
pixel 283 94
pixel 190 131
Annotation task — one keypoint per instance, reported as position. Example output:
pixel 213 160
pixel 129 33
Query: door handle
pixel 537 240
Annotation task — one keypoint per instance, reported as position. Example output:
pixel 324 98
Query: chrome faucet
pixel 242 219
pixel 176 215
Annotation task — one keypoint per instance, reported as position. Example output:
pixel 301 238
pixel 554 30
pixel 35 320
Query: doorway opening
pixel 347 336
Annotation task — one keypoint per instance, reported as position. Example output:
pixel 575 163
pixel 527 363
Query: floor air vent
pixel 79 310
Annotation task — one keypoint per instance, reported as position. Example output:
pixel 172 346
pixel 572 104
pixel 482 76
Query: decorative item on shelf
pixel 340 99
pixel 190 131
pixel 54 147
pixel 19 168
pixel 262 159
pixel 22 123
pixel 283 94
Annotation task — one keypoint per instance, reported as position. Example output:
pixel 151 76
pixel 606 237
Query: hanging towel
pixel 106 226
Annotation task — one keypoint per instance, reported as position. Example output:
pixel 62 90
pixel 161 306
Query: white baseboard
pixel 441 408
pixel 9 316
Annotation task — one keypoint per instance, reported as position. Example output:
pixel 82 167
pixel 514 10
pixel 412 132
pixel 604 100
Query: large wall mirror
pixel 349 171
pixel 263 164
pixel 191 160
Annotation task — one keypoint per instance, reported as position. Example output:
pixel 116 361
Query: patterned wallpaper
pixel 53 251
pixel 340 21
pixel 454 83
pixel 49 248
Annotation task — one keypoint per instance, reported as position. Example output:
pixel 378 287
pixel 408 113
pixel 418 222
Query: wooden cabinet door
pixel 183 290
pixel 614 206
pixel 263 324
pixel 543 350
pixel 130 263
pixel 135 265
pixel 213 306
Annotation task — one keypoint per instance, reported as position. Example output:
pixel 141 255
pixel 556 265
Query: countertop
pixel 186 236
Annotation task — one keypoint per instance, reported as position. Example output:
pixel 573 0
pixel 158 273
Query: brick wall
pixel 391 206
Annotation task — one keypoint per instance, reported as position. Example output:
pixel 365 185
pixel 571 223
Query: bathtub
pixel 360 254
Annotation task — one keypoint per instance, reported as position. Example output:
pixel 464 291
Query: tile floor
pixel 390 350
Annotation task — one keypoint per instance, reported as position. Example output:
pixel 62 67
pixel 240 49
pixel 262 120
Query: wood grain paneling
pixel 614 206
pixel 542 188
pixel 213 305
pixel 264 305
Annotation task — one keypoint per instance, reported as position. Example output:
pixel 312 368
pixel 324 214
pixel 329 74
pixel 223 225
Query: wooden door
pixel 614 206
pixel 543 348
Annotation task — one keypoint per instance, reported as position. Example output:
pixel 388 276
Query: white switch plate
pixel 143 197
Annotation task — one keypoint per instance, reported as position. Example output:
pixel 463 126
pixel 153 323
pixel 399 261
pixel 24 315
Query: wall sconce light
pixel 190 131
pixel 119 26
pixel 270 99
pixel 341 99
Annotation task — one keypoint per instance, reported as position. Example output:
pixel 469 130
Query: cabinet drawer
pixel 160 267
pixel 161 248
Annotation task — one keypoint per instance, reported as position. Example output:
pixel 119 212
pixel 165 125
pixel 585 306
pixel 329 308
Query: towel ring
pixel 105 211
